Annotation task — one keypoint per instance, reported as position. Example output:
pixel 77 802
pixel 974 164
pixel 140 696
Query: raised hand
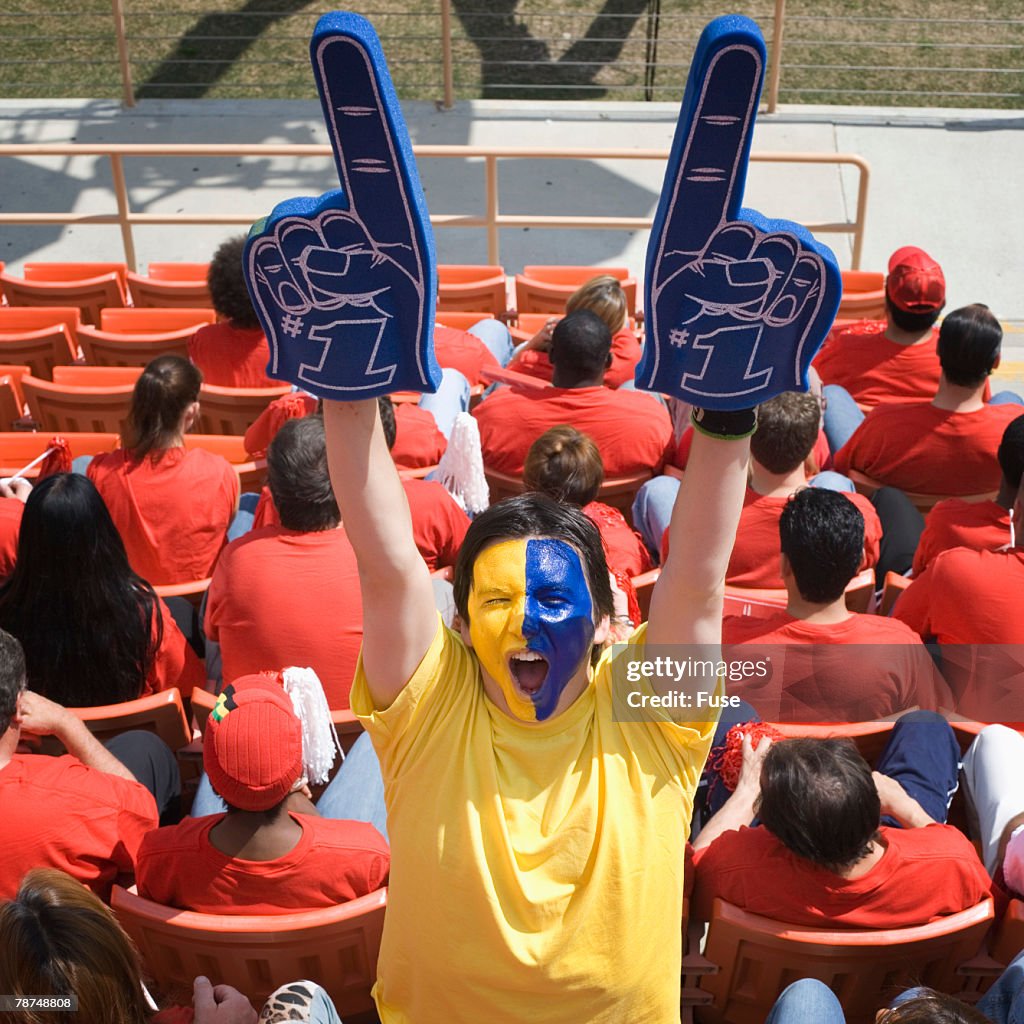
pixel 345 284
pixel 736 304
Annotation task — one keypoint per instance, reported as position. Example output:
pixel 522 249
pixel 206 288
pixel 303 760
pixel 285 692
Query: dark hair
pixel 90 626
pixel 931 1007
pixel 968 346
pixel 60 940
pixel 386 408
pixel 164 390
pixel 299 480
pixel 912 323
pixel 580 345
pixel 822 535
pixel 565 465
pixel 787 428
pixel 12 677
pixel 1011 452
pixel 227 284
pixel 819 800
pixel 534 515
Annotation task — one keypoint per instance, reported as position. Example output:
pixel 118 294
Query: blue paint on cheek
pixel 558 620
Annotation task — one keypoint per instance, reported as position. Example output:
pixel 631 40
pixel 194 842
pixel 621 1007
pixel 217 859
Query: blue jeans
pixel 244 517
pixel 1003 1003
pixel 451 398
pixel 495 335
pixel 806 1001
pixel 356 793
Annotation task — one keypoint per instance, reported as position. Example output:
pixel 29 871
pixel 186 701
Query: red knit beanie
pixel 252 752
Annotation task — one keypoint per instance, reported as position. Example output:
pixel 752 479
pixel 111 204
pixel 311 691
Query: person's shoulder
pixel 250 544
pixel 866 628
pixel 345 835
pixel 207 462
pixel 937 840
pixel 862 329
pixel 188 835
pixel 744 629
pixel 105 462
pixel 73 781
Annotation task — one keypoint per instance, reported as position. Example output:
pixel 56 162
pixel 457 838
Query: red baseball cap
pixel 915 283
pixel 252 751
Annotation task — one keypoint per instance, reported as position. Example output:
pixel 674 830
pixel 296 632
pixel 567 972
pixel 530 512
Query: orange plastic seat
pixel 618 492
pixel 59 408
pixel 461 320
pixel 95 376
pixel 171 284
pixel 40 337
pixel 867 486
pixel 57 270
pixel 465 286
pixel 232 447
pixel 234 410
pixel 1008 939
pixel 336 947
pixel 11 405
pixel 863 295
pixel 102 348
pixel 501 375
pixel 192 590
pixel 19 448
pixel 758 957
pixel 894 585
pixel 155 321
pixel 162 713
pixel 88 294
pixel 870 737
pixel 544 289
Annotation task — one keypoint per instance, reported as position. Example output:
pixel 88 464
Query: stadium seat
pixel 12 399
pixel 251 472
pixel 40 337
pixel 162 713
pixel 758 957
pixel 870 737
pixel 867 486
pixel 618 492
pixel 863 296
pixel 44 285
pixel 500 375
pixel 234 410
pixel 460 320
pixel 59 408
pixel 894 585
pixel 192 591
pixel 96 376
pixel 1008 939
pixel 544 289
pixel 102 348
pixel 155 321
pixel 56 270
pixel 345 722
pixel 464 286
pixel 336 947
pixel 171 284
pixel 19 448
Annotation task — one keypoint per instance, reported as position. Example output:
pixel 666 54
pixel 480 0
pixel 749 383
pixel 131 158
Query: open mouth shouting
pixel 529 671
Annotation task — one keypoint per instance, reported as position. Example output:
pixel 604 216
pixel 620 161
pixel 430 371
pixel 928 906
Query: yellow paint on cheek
pixel 497 602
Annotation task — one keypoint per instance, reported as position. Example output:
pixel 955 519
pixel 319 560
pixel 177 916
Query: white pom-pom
pixel 319 738
pixel 461 469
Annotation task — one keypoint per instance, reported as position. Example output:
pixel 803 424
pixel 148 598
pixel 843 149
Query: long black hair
pixel 90 626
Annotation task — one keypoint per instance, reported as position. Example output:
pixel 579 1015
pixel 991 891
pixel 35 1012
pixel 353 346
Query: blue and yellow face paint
pixel 531 621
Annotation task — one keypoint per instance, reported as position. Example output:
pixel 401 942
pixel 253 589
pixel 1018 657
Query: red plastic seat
pixel 19 448
pixel 460 320
pixel 863 295
pixel 155 321
pixel 96 376
pixel 758 957
pixel 59 408
pixel 251 472
pixel 102 348
pixel 867 486
pixel 465 286
pixel 39 337
pixel 234 410
pixel 168 291
pixel 1008 940
pixel 336 948
pixel 48 285
pixel 544 289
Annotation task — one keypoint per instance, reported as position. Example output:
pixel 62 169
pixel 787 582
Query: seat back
pixel 90 294
pixel 160 271
pixel 10 400
pixel 544 289
pixel 96 376
pixel 867 486
pixel 251 472
pixel 870 737
pixel 40 337
pixel 863 295
pixel 192 590
pixel 61 408
pixel 894 585
pixel 19 448
pixel 155 321
pixel 234 410
pixel 757 958
pixel 461 319
pixel 336 947
pixel 56 270
pixel 1008 940
pixel 154 292
pixel 32 318
pixel 162 713
pixel 464 286
pixel 101 348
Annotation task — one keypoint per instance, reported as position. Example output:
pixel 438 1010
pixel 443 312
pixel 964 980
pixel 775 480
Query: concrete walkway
pixel 949 181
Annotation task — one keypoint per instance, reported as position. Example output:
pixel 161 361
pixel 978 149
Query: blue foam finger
pixel 344 284
pixel 729 324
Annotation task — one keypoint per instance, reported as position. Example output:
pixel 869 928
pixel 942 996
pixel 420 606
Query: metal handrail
pixel 492 220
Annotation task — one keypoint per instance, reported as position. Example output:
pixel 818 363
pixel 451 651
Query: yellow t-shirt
pixel 536 869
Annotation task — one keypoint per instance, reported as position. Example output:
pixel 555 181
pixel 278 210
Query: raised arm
pixel 399 618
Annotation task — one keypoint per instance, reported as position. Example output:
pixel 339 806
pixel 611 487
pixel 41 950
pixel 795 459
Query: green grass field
pixel 959 54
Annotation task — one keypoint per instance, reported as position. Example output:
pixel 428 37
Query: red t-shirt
pixel 632 430
pixel 11 510
pixel 60 814
pixel 924 874
pixel 874 369
pixel 918 448
pixel 418 442
pixel 438 524
pixel 754 561
pixel 462 351
pixel 624 549
pixel 175 664
pixel 979 525
pixel 265 427
pixel 333 862
pixel 864 668
pixel 231 357
pixel 821 453
pixel 173 514
pixel 625 355
pixel 281 598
